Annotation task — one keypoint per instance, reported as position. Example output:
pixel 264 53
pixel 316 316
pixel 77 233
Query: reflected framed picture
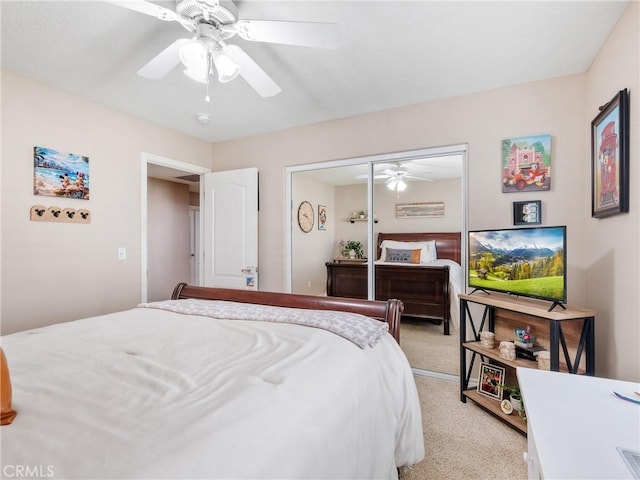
pixel 490 380
pixel 527 213
pixel 610 158
pixel 322 217
pixel 420 210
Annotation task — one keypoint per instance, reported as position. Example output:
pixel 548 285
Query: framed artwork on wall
pixel 57 174
pixel 610 158
pixel 420 210
pixel 527 213
pixel 322 217
pixel 526 164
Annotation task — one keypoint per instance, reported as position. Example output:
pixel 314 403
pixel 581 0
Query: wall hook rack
pixel 41 213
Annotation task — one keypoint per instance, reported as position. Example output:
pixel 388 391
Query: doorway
pixel 166 169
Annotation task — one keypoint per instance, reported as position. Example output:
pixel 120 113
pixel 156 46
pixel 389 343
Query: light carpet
pixel 428 348
pixel 462 441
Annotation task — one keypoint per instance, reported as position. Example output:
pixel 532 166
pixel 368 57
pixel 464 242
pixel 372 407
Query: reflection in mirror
pixel 422 196
pixel 415 195
pixel 326 242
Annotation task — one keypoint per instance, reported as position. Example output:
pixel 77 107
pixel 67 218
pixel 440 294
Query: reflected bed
pixel 428 288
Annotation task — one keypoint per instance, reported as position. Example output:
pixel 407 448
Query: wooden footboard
pixel 388 311
pixel 424 290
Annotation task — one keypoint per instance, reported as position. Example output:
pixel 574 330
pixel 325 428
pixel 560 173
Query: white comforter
pixel 148 393
pixel 455 283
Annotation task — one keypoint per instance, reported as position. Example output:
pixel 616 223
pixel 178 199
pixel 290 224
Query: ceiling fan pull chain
pixel 209 75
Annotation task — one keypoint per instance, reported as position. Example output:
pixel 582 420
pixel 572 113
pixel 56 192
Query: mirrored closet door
pixel 352 204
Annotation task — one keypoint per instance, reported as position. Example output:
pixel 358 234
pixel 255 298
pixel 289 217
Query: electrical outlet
pixel 309 284
pixel 122 253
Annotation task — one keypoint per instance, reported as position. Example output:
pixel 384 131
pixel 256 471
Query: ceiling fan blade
pixel 366 175
pixel 304 34
pixel 424 179
pixel 164 62
pixel 252 73
pixel 147 8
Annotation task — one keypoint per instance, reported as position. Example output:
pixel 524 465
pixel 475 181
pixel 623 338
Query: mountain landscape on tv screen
pixel 502 255
pixel 502 261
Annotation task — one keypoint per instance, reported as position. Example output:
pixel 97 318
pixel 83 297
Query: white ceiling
pixel 393 53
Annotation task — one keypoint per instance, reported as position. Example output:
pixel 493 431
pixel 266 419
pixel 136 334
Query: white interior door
pixel 231 229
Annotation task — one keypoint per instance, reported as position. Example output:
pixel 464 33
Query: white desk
pixel 575 424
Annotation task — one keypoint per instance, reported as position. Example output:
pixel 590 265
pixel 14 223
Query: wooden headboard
pixel 386 311
pixel 447 243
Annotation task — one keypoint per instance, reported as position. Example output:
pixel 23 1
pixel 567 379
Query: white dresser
pixel 576 424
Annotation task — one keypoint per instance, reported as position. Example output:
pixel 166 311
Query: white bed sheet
pixel 455 283
pixel 153 394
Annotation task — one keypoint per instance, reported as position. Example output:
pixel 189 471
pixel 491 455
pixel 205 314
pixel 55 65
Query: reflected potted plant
pixel 353 249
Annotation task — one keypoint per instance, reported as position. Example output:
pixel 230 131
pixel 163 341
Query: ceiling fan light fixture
pixel 197 74
pixel 194 56
pixel 227 69
pixel 397 185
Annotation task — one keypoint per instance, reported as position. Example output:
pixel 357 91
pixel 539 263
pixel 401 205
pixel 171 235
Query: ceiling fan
pixel 211 25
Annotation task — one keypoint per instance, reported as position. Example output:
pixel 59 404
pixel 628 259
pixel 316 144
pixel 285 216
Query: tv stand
pixel 556 304
pixel 568 334
pixel 478 289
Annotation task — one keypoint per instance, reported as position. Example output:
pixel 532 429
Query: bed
pixel 196 387
pixel 428 289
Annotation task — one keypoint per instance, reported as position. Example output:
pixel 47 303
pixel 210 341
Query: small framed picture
pixel 527 213
pixel 322 217
pixel 490 381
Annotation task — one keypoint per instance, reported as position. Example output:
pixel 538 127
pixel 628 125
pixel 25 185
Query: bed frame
pixel 386 311
pixel 424 291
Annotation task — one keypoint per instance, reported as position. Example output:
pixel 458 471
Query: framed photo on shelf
pixel 322 217
pixel 610 158
pixel 490 379
pixel 527 213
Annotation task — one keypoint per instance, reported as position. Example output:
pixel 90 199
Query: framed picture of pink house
pixel 526 164
pixel 610 158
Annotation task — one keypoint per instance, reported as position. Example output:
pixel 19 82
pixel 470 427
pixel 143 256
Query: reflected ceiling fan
pixel 206 50
pixel 395 177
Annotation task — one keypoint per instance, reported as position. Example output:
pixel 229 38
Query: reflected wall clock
pixel 305 216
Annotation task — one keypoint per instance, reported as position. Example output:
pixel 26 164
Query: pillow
pixel 7 413
pixel 428 249
pixel 396 255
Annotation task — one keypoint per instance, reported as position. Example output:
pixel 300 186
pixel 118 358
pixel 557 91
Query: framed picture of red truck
pixel 610 158
pixel 526 164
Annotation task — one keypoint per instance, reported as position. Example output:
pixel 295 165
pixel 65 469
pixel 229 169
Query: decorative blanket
pixel 359 329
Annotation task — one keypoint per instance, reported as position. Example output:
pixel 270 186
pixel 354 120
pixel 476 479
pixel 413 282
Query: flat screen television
pixel 530 262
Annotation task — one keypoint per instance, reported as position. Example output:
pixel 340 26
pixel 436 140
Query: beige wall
pixel 311 250
pixel 561 107
pixel 481 120
pixel 168 234
pixel 56 272
pixel 612 244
